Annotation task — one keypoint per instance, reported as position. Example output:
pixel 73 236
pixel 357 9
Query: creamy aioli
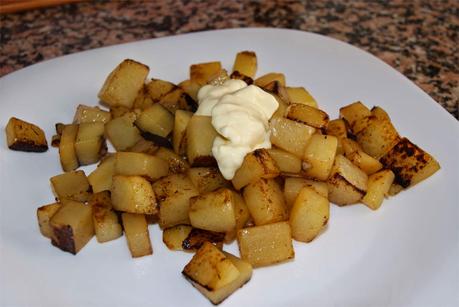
pixel 240 115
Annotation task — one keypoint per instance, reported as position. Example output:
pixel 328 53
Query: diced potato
pixel 347 183
pixel 394 189
pixel 101 178
pixel 177 99
pixel 319 155
pixel 265 201
pixel 290 136
pixel 177 164
pixel 197 237
pixel 236 75
pixel 101 199
pixel 246 63
pixel 157 88
pixel 380 113
pixel 174 236
pixel 307 115
pixel 409 163
pixel 200 136
pixel 270 77
pixel 191 88
pixel 106 224
pixel 210 268
pixel 137 235
pixel 90 143
pixel 122 132
pixel 353 113
pixel 156 120
pixel 123 84
pixel 267 244
pixel 220 78
pixel 157 140
pixel 278 90
pixel 213 211
pixel 378 186
pixel 293 186
pixel 281 109
pixel 219 295
pixel 203 72
pixel 133 194
pixel 182 118
pixel 173 193
pixel 378 137
pixel 119 111
pixel 143 99
pixel 86 114
pixel 144 146
pixel 207 179
pixel 67 153
pixel 241 211
pixel 24 136
pixel 72 226
pixel 365 162
pixel 71 186
pixel 44 215
pixel 287 162
pixel 257 164
pixel 309 215
pixel 350 146
pixel 301 96
pixel 140 164
pixel 337 127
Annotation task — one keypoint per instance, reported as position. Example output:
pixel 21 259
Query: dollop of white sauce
pixel 240 115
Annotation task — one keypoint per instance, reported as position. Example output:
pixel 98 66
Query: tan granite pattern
pixel 418 38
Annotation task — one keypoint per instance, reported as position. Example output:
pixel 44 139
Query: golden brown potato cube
pixel 122 132
pixel 409 163
pixel 380 113
pixel 293 186
pixel 72 226
pixel 106 223
pixel 177 99
pixel 290 136
pixel 197 237
pixel 270 77
pixel 124 83
pixel 378 137
pixel 307 115
pixel 182 118
pixel 394 189
pixel 90 142
pixel 173 193
pixel 266 245
pixel 101 178
pixel 200 136
pixel 378 186
pixel 140 164
pixel 337 127
pixel 300 95
pixel 257 164
pixel 347 183
pixel 133 194
pixel 144 146
pixel 278 90
pixel 281 109
pixel 86 114
pixel 191 88
pixel 265 201
pixel 137 235
pixel 118 111
pixel 143 99
pixel 157 88
pixel 24 136
pixel 219 295
pixel 72 186
pixel 67 153
pixel 246 63
pixel 44 215
pixel 210 268
pixel 319 155
pixel 174 236
pixel 309 215
pixel 287 162
pixel 156 120
pixel 220 78
pixel 213 211
pixel 177 164
pixel 354 112
pixel 204 72
pixel 242 215
pixel 207 179
pixel 365 162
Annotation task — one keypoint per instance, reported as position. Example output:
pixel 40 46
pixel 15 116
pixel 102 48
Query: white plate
pixel 406 253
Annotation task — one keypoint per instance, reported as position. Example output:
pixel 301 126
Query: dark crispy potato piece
pixel 178 99
pixel 238 76
pixel 197 237
pixel 174 236
pixel 24 136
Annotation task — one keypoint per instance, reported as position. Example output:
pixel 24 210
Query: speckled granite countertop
pixel 418 38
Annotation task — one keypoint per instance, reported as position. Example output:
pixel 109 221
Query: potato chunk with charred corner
pixel 246 63
pixel 174 236
pixel 72 226
pixel 24 136
pixel 44 215
pixel 200 136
